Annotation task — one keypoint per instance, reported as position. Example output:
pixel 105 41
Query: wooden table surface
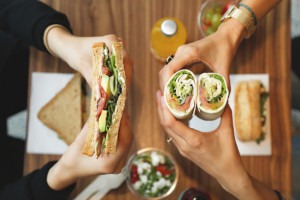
pixel 268 51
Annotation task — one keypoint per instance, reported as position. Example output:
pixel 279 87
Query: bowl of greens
pixel 210 15
pixel 153 174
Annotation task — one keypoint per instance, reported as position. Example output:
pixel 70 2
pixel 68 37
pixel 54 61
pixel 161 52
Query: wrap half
pixel 212 96
pixel 180 94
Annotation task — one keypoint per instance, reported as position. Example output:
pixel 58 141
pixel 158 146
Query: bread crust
pixel 247 117
pixel 98 59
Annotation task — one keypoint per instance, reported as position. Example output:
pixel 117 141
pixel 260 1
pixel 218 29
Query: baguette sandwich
pixel 108 100
pixel 249 116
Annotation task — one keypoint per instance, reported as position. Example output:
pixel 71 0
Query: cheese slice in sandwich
pixel 63 113
pixel 108 99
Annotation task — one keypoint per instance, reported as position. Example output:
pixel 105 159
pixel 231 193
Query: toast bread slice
pixel 63 113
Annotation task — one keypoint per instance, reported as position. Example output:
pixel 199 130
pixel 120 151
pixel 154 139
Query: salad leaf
pixel 219 97
pixel 173 85
pixel 107 62
pixel 263 99
pixel 261 137
pixel 117 90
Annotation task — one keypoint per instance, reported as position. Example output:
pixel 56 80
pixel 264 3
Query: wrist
pixel 234 32
pixel 60 42
pixel 59 177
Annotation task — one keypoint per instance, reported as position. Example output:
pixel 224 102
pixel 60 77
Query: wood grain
pixel 268 51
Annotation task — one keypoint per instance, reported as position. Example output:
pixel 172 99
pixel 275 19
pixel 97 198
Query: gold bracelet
pixel 45 37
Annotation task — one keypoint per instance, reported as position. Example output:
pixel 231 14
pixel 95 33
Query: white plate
pixel 41 139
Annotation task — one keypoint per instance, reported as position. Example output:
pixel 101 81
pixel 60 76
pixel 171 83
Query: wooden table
pixel 268 51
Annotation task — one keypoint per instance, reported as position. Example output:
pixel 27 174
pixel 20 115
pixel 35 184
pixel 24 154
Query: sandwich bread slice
pixel 63 113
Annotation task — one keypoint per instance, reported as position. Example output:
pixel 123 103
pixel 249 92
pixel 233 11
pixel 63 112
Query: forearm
pixel 260 8
pixel 59 42
pixel 235 30
pixel 27 20
pixel 245 187
pixel 59 178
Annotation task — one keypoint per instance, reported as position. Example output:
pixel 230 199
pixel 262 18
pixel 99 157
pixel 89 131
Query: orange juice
pixel 167 35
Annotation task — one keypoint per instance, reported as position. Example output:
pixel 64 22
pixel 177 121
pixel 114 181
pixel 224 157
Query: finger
pixel 125 133
pixel 81 137
pixel 226 120
pixel 170 133
pixel 164 76
pixel 184 56
pixel 175 127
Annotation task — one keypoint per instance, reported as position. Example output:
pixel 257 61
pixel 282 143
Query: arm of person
pixel 74 165
pixel 56 180
pixel 215 152
pixel 35 186
pixel 27 20
pixel 77 51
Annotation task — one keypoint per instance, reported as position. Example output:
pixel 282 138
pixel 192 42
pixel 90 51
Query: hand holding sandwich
pixel 215 152
pixel 77 51
pixel 74 165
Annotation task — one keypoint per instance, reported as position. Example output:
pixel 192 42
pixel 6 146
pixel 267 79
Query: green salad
pixel 152 174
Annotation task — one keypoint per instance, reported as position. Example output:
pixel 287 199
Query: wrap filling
pixel 212 91
pixel 109 90
pixel 181 88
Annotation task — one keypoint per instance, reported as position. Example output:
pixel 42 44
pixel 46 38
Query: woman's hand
pixel 77 51
pixel 215 152
pixel 74 165
pixel 216 51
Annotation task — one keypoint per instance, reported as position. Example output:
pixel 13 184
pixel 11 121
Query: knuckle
pixel 181 48
pixel 169 123
pixel 192 50
pixel 195 142
pixel 113 37
pixel 184 150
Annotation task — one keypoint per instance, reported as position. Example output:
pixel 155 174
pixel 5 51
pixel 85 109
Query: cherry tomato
pixel 225 9
pixel 163 170
pixel 134 174
pixel 106 71
pixel 101 102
